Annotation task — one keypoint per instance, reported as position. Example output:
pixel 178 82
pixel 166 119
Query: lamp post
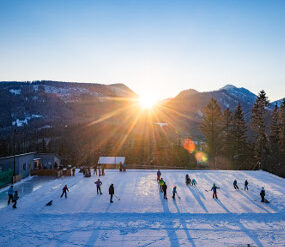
pixel 14 154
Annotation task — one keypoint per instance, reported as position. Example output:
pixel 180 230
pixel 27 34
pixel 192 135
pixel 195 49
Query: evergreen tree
pixel 238 138
pixel 212 127
pixel 227 139
pixel 282 138
pixel 259 128
pixel 274 139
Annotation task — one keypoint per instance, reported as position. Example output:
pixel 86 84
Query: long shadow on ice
pixel 251 234
pixel 197 197
pixel 184 225
pixel 171 231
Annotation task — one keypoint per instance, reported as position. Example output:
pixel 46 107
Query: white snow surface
pixel 22 122
pixel 15 91
pixel 143 218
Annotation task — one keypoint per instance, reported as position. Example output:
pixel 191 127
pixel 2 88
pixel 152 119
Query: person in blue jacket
pixel 158 175
pixel 214 189
pixel 10 194
pixel 98 185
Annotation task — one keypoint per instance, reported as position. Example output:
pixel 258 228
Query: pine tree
pixel 259 128
pixel 238 138
pixel 282 138
pixel 212 127
pixel 274 139
pixel 227 138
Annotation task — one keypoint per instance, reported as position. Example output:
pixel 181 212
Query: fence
pixel 5 177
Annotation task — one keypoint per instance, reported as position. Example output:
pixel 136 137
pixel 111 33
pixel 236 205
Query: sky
pixel 154 47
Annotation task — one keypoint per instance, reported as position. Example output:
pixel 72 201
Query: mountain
pixel 186 109
pixel 48 103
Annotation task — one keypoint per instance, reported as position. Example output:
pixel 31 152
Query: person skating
pixel 98 185
pixel 245 185
pixel 174 191
pixel 64 189
pixel 111 192
pixel 235 185
pixel 15 199
pixel 194 182
pixel 158 175
pixel 73 171
pixel 124 167
pixel 10 194
pixel 262 194
pixel 121 166
pixel 187 179
pixel 214 189
pixel 161 182
pixel 164 188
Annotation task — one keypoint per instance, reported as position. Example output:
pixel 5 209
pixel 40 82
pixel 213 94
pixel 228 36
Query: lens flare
pixel 201 157
pixel 189 145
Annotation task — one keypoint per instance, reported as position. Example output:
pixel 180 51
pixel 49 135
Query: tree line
pixel 232 143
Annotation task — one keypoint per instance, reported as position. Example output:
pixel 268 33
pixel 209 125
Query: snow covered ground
pixel 143 218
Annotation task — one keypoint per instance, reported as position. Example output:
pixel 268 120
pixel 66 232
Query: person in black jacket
pixel 245 185
pixel 15 199
pixel 164 188
pixel 235 185
pixel 262 194
pixel 111 192
pixel 64 189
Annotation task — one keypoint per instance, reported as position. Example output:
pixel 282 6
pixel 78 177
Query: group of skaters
pixel 13 196
pixel 193 182
pixel 123 167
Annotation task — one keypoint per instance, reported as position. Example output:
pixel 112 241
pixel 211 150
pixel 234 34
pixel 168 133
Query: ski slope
pixel 143 218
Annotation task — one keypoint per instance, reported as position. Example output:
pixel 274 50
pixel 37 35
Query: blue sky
pixel 156 47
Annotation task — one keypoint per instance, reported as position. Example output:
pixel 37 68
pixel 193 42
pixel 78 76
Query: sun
pixel 147 101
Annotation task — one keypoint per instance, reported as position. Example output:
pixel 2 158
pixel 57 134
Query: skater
pixel 124 167
pixel 15 199
pixel 161 183
pixel 262 194
pixel 121 166
pixel 10 194
pixel 235 185
pixel 164 188
pixel 187 180
pixel 158 175
pixel 174 191
pixel 95 170
pixel 245 185
pixel 214 189
pixel 73 171
pixel 111 192
pixel 194 182
pixel 98 185
pixel 64 189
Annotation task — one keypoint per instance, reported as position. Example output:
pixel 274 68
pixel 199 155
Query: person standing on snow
pixel 262 194
pixel 111 192
pixel 235 185
pixel 10 194
pixel 161 182
pixel 98 185
pixel 245 185
pixel 187 180
pixel 164 188
pixel 15 199
pixel 174 191
pixel 214 189
pixel 64 189
pixel 73 171
pixel 158 175
pixel 194 182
